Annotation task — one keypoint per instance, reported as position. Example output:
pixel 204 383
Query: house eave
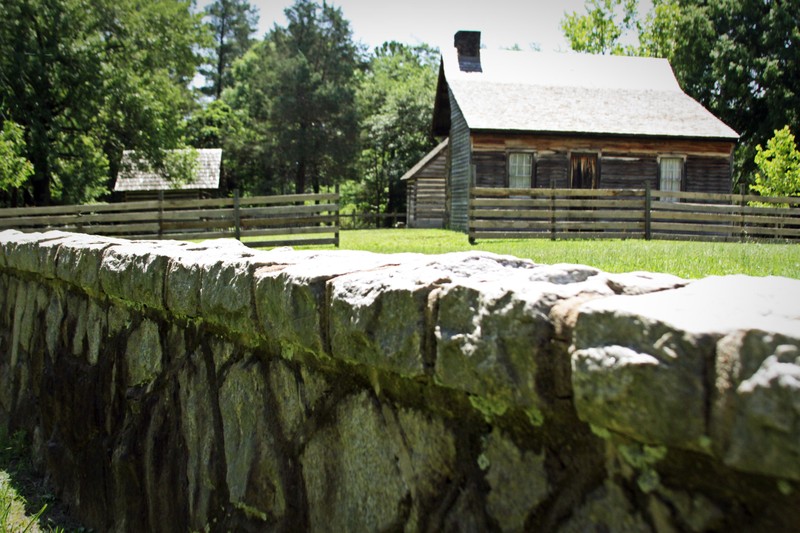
pixel 598 135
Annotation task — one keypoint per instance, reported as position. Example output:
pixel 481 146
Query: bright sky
pixel 502 23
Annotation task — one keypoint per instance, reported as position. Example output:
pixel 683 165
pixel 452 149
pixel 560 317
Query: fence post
pixel 160 215
pixel 648 203
pixel 552 209
pixel 237 223
pixel 337 220
pixel 743 192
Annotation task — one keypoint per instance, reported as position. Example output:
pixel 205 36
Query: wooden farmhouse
pixel 137 182
pixel 425 189
pixel 530 119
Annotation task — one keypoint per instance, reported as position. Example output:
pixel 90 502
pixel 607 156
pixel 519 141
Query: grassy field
pixel 684 259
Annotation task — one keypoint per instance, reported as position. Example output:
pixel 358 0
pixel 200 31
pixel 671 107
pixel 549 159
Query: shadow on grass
pixel 27 500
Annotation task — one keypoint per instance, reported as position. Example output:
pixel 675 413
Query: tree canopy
pixel 395 99
pixel 232 24
pixel 14 168
pixel 778 166
pixel 84 83
pixel 600 29
pixel 298 91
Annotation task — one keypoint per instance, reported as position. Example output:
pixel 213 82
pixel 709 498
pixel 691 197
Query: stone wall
pixel 175 387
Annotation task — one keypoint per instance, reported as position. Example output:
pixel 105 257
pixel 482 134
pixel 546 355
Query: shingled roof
pixel 425 160
pixel 134 178
pixel 572 93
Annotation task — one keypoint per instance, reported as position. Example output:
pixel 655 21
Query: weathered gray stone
pixel 426 458
pixel 517 481
pixel 78 261
pixel 253 479
pixel 377 317
pixel 39 255
pixel 606 509
pixel 134 273
pixel 87 332
pixel 641 363
pixel 756 415
pixel 8 239
pixel 184 279
pixel 197 401
pixel 20 250
pixel 351 471
pixel 226 297
pixel 638 394
pixel 634 283
pixel 291 297
pixel 490 330
pixel 143 356
pixel 223 422
pixel 296 394
pixel 382 317
pixel 53 319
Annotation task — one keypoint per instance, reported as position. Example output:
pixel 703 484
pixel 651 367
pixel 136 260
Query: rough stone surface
pixel 756 415
pixel 169 386
pixel 649 365
pixel 517 481
pixel 351 470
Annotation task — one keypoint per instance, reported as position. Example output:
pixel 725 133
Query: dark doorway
pixel 584 171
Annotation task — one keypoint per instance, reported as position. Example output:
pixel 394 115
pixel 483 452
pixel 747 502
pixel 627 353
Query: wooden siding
pixel 426 193
pixel 499 141
pixel 490 169
pixel 618 171
pixel 460 169
pixel 623 162
pixel 426 202
pixel 708 174
pixel 552 170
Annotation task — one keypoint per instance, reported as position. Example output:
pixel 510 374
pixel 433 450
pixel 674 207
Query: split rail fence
pixel 262 221
pixel 630 213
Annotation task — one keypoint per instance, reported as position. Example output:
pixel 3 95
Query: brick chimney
pixel 468 44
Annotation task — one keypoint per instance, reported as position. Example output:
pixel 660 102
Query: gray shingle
pixel 132 178
pixel 578 93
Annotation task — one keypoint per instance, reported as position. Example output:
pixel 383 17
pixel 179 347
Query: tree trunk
pixel 300 178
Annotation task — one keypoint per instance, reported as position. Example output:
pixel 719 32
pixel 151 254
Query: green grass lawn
pixel 684 259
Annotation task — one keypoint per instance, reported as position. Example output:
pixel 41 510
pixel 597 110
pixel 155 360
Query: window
pixel 520 170
pixel 671 170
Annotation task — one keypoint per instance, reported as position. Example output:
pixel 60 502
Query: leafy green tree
pixel 658 30
pixel 395 103
pixel 313 64
pixel 85 83
pixel 600 29
pixel 249 156
pixel 297 89
pixel 778 166
pixel 15 169
pixel 232 23
pixel 741 59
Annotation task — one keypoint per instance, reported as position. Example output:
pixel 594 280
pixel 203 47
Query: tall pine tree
pixel 232 24
pixel 311 83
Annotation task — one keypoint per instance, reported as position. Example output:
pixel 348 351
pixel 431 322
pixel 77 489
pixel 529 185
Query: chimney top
pixel 468 44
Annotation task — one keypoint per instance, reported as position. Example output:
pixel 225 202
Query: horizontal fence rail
pixel 262 221
pixel 496 213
